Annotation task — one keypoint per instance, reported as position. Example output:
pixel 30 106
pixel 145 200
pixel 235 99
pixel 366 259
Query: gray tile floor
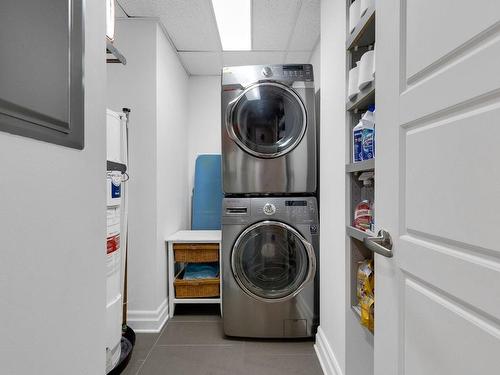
pixel 195 345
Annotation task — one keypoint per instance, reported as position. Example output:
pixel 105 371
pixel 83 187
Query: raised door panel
pixel 447 251
pixel 41 70
pixel 436 29
pixel 450 166
pixel 436 173
pixel 442 337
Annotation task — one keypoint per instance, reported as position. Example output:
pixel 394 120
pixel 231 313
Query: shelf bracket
pixel 117 57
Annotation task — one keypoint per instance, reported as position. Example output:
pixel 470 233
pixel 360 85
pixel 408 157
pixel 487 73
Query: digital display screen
pixel 295 203
pixel 293 67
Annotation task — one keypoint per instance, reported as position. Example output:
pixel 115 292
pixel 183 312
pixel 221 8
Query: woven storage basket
pixel 197 288
pixel 196 252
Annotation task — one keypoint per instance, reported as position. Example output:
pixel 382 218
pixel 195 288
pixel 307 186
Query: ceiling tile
pixel 139 8
pixel 297 57
pixel 272 23
pixel 190 24
pixel 119 13
pixel 307 30
pixel 202 63
pixel 252 58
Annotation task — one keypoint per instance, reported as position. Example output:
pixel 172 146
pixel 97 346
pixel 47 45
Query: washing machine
pixel 268 129
pixel 270 250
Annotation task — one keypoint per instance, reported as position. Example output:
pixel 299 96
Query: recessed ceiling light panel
pixel 234 23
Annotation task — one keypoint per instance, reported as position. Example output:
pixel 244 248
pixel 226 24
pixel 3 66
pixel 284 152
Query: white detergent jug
pixel 368 134
pixel 357 146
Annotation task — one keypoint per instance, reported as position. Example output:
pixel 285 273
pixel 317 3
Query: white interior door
pixel 438 187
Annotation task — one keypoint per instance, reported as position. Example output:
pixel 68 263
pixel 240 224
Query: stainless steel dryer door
pixel 272 262
pixel 267 120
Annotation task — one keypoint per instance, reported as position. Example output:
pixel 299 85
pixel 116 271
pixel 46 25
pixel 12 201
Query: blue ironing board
pixel 207 193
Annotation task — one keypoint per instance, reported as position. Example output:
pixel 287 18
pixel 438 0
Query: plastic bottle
pixel 363 212
pixel 368 134
pixel 357 146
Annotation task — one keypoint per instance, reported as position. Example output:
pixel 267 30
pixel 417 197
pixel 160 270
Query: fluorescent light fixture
pixel 110 19
pixel 234 23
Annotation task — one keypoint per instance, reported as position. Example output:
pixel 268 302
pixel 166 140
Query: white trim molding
pixel 151 321
pixel 327 359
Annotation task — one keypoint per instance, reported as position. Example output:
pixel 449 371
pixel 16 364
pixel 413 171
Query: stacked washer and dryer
pixel 270 228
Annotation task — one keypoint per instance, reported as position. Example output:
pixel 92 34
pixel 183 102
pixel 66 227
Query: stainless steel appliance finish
pixel 270 267
pixel 268 129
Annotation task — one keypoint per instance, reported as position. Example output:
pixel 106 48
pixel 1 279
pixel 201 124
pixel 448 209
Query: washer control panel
pixel 299 208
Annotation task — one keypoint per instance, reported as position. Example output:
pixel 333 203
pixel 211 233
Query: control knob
pixel 267 71
pixel 269 209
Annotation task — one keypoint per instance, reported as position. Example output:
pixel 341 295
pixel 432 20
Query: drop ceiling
pixel 283 31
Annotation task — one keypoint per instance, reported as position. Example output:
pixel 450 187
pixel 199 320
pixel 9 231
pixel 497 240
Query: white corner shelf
pixel 194 237
pixel 358 337
pixel 116 56
pixel 361 166
pixel 363 100
pixel 364 33
pixel 357 310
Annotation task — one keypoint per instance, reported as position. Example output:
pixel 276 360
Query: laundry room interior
pixel 270 187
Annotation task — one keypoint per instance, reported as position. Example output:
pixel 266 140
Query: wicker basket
pixel 196 288
pixel 196 252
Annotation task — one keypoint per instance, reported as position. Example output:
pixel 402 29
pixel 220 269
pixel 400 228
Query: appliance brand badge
pixel 313 229
pixel 269 209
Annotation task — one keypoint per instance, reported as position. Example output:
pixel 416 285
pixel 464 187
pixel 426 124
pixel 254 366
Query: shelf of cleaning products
pixel 364 33
pixel 363 100
pixel 361 166
pixel 358 234
pixel 118 57
pixel 357 311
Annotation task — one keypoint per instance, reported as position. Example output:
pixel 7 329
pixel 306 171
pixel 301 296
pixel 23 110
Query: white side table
pixel 190 236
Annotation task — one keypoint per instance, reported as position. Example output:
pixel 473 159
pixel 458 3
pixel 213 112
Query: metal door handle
pixel 382 244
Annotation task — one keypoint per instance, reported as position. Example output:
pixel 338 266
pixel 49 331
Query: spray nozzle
pixel 367 178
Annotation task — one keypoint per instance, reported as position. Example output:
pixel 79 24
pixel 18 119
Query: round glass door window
pixel 270 260
pixel 267 120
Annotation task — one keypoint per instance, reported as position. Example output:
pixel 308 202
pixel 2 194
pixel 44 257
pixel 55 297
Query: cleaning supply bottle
pixel 368 134
pixel 357 137
pixel 363 212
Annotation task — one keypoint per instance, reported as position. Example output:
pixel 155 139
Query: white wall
pixel 52 238
pixel 171 145
pixel 204 120
pixel 133 86
pixel 331 341
pixel 153 85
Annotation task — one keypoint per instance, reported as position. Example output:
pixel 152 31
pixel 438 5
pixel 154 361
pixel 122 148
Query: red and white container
pixel 113 288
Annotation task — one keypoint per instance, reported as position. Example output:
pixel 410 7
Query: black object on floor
pixel 128 342
pixel 198 309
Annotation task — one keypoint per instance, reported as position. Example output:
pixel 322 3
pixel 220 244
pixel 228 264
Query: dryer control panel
pixel 295 72
pixel 298 72
pixel 242 76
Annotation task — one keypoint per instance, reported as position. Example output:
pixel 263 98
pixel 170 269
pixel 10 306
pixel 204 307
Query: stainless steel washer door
pixel 272 262
pixel 267 120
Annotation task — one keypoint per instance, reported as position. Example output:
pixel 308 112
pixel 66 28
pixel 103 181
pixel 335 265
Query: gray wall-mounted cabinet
pixel 41 70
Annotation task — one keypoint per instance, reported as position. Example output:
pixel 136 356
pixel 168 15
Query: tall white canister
pixel 366 73
pixel 354 14
pixel 116 149
pixel 113 288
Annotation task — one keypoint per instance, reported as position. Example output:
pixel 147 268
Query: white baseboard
pixel 151 321
pixel 327 359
